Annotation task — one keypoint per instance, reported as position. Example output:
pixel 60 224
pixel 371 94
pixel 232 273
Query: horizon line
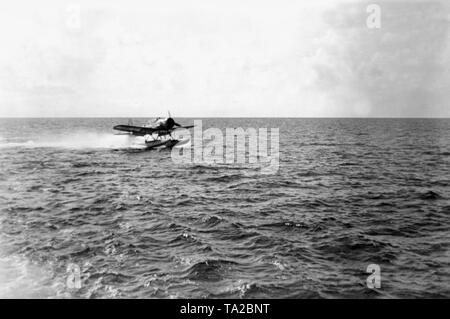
pixel 228 117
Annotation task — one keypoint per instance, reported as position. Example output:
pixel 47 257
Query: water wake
pixel 80 140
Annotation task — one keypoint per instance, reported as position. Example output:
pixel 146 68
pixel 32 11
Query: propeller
pixel 170 117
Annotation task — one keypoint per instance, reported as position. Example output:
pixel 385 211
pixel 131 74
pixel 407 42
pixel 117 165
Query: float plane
pixel 156 134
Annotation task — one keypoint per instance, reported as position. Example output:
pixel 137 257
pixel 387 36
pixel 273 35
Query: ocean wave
pixel 224 178
pixel 210 270
pixel 430 195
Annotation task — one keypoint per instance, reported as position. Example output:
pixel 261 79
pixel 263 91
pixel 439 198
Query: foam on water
pixel 78 140
pixel 20 278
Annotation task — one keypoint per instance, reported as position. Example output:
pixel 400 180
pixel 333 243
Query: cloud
pixel 234 58
pixel 397 70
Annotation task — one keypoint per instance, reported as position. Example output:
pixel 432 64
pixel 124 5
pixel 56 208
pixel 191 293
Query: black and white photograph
pixel 224 150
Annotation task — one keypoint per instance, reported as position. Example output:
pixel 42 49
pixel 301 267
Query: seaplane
pixel 157 134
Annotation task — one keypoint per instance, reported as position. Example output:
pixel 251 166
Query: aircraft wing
pixel 135 130
pixel 188 126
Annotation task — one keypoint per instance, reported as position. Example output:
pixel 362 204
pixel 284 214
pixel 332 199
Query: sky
pixel 208 58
